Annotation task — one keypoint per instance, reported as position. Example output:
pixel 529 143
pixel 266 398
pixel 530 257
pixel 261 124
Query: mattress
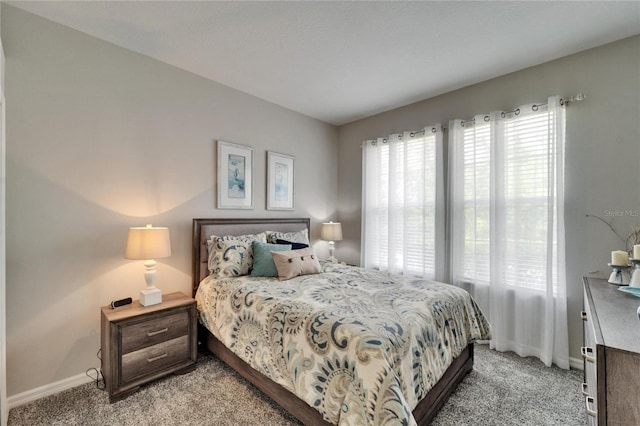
pixel 360 346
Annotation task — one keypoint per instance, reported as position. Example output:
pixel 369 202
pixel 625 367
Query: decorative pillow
pixel 210 243
pixel 262 237
pixel 294 245
pixel 232 255
pixel 296 262
pixel 263 265
pixel 301 236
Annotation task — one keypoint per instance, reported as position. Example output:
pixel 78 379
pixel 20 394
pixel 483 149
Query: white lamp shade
pixel 331 231
pixel 148 243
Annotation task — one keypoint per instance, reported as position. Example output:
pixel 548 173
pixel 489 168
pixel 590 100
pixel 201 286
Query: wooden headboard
pixel 205 228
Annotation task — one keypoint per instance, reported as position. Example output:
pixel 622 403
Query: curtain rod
pixel 412 134
pixel 563 101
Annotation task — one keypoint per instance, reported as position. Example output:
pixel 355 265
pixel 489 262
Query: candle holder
pixel 620 274
pixel 635 276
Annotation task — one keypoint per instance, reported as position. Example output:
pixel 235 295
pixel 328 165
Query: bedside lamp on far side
pixel 331 232
pixel 148 243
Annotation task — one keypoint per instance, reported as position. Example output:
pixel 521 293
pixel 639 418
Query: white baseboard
pixel 576 364
pixel 46 390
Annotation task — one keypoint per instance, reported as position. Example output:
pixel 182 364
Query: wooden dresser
pixel 611 354
pixel 140 344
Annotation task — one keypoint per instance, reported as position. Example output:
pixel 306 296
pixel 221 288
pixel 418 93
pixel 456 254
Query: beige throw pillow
pixel 293 263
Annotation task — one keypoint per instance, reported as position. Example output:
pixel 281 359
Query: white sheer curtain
pixel 507 225
pixel 403 204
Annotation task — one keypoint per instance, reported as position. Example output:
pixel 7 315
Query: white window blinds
pixel 474 144
pixel 518 168
pixel 530 235
pixel 403 222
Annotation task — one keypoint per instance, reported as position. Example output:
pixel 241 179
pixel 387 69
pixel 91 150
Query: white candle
pixel 636 251
pixel 619 258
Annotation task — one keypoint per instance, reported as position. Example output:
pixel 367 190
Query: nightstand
pixel 141 344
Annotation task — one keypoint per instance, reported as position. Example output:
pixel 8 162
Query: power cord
pixel 99 378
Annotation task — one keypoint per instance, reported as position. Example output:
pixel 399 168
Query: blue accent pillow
pixel 294 245
pixel 263 265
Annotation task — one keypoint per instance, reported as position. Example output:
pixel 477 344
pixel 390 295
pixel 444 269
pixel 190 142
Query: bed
pixel 392 376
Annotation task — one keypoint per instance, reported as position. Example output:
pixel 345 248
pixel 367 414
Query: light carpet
pixel 503 389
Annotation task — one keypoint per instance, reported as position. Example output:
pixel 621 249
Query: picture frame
pixel 235 176
pixel 280 181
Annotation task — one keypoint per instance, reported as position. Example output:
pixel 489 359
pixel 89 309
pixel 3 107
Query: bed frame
pixel 424 412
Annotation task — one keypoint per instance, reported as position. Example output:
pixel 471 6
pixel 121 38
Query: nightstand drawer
pixel 154 358
pixel 148 333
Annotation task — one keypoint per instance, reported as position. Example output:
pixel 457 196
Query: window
pixel 514 159
pixel 476 179
pixel 530 234
pixel 402 192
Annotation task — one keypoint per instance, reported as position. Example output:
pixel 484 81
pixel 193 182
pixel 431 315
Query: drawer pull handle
pixel 588 401
pixel 586 354
pixel 583 315
pixel 155 333
pixel 584 390
pixel 156 358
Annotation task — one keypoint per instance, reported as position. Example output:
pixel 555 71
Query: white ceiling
pixel 341 61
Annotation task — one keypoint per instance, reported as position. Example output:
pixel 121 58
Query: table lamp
pixel 148 243
pixel 331 232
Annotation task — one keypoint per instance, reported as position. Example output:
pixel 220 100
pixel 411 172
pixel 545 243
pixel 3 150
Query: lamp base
pixel 332 258
pixel 150 297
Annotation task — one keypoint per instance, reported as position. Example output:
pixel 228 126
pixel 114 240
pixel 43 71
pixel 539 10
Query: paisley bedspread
pixel 360 346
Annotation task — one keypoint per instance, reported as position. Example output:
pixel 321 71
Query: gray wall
pixel 602 156
pixel 99 139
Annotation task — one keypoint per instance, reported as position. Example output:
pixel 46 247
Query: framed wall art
pixel 280 177
pixel 235 176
